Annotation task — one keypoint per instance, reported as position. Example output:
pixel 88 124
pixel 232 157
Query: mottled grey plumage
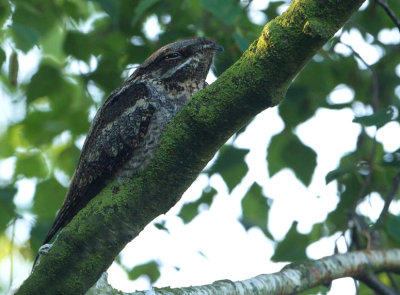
pixel 126 129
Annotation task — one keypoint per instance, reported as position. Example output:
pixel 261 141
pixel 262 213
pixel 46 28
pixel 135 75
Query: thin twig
pixel 389 12
pixel 375 284
pixel 368 179
pixel 375 107
pixel 375 83
pixel 361 228
pixel 393 283
pixel 392 193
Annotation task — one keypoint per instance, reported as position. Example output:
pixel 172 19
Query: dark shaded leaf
pixel 5 9
pixel 287 151
pixel 31 164
pixel 342 170
pixel 141 8
pixel 31 20
pixel 24 37
pixel 67 160
pixel 48 199
pixel 350 186
pixel 190 210
pixel 161 226
pixel 393 227
pixel 45 82
pixel 2 55
pixel 293 247
pixel 7 207
pixel 225 11
pixel 297 107
pixel 379 119
pixel 149 269
pixel 40 128
pixel 375 12
pixel 110 7
pixel 255 210
pixel 79 45
pixel 272 9
pixel 241 42
pixel 230 164
pixel 49 196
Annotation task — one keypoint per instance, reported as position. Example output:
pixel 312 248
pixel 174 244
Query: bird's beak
pixel 213 46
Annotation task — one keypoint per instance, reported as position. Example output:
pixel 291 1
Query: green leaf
pixel 79 45
pixel 7 207
pixel 150 269
pixel 342 170
pixel 337 219
pixel 5 10
pixel 393 227
pixel 298 105
pixel 40 127
pixel 25 37
pixel 111 7
pixel 45 82
pixel 287 151
pixel 255 210
pixel 31 164
pixel 161 226
pixel 190 210
pixel 241 42
pixel 141 8
pixel 52 43
pixel 226 11
pixel 378 119
pixel 293 247
pixel 48 198
pixel 67 160
pixel 230 164
pixel 6 148
pixel 2 56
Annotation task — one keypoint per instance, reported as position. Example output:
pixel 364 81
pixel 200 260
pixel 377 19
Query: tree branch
pixel 258 80
pixel 375 284
pixel 293 278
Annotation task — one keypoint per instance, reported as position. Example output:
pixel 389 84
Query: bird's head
pixel 180 62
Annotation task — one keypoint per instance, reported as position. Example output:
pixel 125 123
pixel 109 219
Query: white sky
pixel 229 252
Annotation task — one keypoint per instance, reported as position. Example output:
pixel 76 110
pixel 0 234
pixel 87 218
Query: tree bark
pixel 293 278
pixel 258 80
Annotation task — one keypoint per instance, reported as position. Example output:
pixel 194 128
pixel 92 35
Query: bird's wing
pixel 117 129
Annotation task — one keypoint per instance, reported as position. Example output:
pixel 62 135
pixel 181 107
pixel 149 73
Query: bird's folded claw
pixel 44 249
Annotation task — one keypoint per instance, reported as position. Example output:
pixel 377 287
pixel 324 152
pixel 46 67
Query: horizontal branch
pixel 258 80
pixel 293 278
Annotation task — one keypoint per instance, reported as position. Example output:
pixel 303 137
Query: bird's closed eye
pixel 173 55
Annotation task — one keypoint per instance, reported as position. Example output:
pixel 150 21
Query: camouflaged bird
pixel 127 128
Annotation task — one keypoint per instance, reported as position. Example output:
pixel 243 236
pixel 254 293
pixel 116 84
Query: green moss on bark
pixel 258 80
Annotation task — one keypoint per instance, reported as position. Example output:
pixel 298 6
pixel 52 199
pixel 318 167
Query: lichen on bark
pixel 258 80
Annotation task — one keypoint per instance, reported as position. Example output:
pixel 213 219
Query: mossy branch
pixel 258 80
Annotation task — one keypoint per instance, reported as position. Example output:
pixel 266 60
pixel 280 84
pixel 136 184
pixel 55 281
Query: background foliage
pixel 60 59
